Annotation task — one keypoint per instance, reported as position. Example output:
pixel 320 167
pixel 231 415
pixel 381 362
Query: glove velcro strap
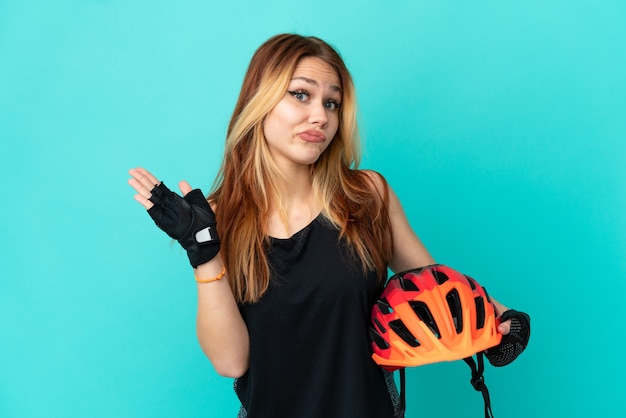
pixel 206 235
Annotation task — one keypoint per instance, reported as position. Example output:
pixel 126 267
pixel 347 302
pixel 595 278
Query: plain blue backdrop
pixel 500 124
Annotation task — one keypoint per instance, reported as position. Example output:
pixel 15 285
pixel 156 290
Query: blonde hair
pixel 246 187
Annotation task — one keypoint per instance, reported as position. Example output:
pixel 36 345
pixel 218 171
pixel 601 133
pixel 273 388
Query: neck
pixel 299 205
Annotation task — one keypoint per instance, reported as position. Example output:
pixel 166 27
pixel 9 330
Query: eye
pixel 332 105
pixel 300 95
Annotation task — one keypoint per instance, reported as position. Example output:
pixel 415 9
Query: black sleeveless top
pixel 309 348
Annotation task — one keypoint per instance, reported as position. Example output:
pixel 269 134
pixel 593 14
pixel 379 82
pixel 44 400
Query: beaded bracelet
pixel 214 279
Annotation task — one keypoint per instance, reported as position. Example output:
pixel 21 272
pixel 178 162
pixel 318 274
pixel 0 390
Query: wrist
pixel 209 271
pixel 211 279
pixel 202 254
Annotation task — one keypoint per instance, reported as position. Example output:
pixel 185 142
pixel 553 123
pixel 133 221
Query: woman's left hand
pixel 515 330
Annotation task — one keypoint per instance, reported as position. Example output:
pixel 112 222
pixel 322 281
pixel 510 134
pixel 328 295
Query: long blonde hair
pixel 246 187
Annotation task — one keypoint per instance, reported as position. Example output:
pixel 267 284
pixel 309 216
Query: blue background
pixel 500 124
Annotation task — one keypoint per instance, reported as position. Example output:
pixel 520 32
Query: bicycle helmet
pixel 429 315
pixel 433 314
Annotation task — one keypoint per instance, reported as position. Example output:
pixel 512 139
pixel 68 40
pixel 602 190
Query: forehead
pixel 317 71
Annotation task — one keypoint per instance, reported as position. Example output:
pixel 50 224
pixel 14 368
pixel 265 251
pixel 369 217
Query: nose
pixel 318 114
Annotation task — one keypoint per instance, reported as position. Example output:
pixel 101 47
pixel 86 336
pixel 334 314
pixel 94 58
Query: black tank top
pixel 309 348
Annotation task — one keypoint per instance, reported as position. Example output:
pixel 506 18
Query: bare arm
pixel 408 250
pixel 221 331
pixel 410 253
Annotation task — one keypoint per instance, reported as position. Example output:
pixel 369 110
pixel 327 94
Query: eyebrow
pixel 333 87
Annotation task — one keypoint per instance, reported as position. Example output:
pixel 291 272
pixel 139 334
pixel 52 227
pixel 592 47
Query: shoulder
pixel 374 176
pixel 375 180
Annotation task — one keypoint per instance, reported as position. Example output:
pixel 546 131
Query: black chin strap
pixel 402 407
pixel 478 380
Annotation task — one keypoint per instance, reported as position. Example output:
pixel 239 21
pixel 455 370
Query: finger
pixel 144 177
pixel 147 175
pixel 143 201
pixel 184 187
pixel 505 327
pixel 140 188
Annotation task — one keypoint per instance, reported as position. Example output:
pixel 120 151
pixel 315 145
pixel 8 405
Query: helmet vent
pixel 487 294
pixel 440 277
pixel 408 285
pixel 422 311
pixel 403 332
pixel 384 306
pixel 480 312
pixel 471 282
pixel 378 339
pixel 379 326
pixel 454 304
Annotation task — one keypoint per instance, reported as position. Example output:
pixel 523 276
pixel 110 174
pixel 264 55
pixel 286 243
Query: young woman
pixel 305 239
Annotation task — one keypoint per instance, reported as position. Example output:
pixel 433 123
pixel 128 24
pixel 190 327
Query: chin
pixel 311 160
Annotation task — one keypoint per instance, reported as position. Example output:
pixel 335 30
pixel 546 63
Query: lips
pixel 312 136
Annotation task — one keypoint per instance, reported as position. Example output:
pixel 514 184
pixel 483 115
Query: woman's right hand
pixel 143 182
pixel 188 219
pixel 221 330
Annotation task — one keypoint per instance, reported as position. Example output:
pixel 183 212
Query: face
pixel 305 121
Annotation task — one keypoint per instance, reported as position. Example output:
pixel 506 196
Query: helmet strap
pixel 478 380
pixel 402 407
